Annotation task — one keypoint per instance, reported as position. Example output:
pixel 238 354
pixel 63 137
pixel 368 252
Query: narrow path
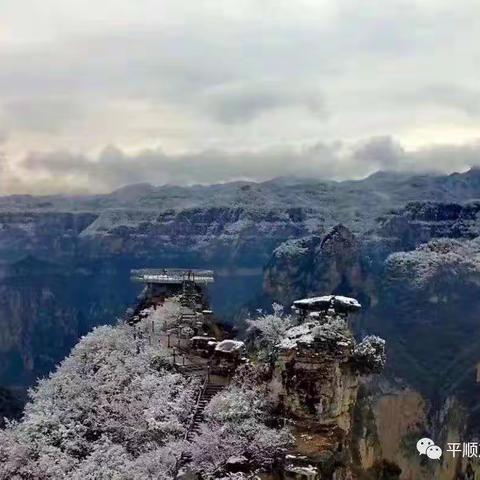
pixel 184 360
pixel 207 392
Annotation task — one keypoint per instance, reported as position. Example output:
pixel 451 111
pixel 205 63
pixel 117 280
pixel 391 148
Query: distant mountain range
pixel 392 188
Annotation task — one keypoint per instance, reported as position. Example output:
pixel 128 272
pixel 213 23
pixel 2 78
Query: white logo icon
pixel 426 446
pixel 434 452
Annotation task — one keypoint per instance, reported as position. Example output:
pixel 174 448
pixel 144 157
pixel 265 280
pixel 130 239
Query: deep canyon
pixel 406 246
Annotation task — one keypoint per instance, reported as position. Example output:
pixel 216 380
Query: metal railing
pixel 197 404
pixel 172 275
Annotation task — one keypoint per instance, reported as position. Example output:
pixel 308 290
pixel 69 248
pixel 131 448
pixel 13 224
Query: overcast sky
pixel 94 95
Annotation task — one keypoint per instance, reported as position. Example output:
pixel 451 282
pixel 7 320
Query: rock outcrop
pixel 423 300
pixel 45 307
pixel 315 382
pixel 329 263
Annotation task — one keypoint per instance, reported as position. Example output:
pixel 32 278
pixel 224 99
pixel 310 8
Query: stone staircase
pixel 187 317
pixel 189 296
pixel 189 301
pixel 208 392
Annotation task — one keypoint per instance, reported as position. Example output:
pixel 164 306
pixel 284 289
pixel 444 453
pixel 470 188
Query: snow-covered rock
pixel 230 346
pixel 338 302
pixel 319 336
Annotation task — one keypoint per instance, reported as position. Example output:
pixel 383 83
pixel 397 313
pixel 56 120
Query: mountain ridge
pixel 452 186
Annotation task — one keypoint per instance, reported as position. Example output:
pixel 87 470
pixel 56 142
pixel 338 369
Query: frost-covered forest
pixel 115 408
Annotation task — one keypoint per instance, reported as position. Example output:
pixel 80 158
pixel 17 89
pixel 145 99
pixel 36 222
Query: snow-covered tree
pixel 214 445
pixel 157 464
pixel 235 428
pixel 236 404
pixel 269 329
pixel 217 443
pixel 106 405
pixel 369 354
pixel 107 461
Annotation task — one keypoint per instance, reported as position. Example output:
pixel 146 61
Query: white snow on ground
pixel 228 346
pixel 326 299
pixel 291 248
pixel 301 333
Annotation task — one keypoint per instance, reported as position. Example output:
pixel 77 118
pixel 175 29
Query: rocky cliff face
pixel 388 422
pixel 46 307
pixel 10 406
pixel 42 234
pixel 423 300
pixel 315 264
pixel 216 235
pixel 93 241
pixel 419 222
pixel 314 380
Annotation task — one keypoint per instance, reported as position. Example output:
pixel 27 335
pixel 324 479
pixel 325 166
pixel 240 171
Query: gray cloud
pixel 240 103
pixel 382 153
pixel 46 115
pixel 449 157
pixel 67 172
pixel 197 77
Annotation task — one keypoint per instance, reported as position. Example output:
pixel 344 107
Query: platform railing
pixel 170 275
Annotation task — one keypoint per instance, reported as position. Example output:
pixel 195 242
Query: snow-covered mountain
pixel 65 261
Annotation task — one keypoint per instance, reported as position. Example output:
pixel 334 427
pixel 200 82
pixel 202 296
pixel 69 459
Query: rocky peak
pixel 315 380
pixel 315 264
pixel 338 241
pixel 319 363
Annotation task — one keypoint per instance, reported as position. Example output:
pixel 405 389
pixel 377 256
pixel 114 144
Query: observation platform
pixel 172 276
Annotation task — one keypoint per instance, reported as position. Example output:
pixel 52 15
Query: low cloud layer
pixel 63 172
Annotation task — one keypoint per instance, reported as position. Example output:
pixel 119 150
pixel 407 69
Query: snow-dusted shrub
pixel 236 404
pixel 291 248
pixel 268 330
pixel 166 316
pixel 216 443
pixel 111 461
pixel 238 476
pixel 158 464
pixel 235 428
pixel 267 444
pixel 213 446
pixel 334 324
pixel 369 355
pixel 440 258
pixel 107 461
